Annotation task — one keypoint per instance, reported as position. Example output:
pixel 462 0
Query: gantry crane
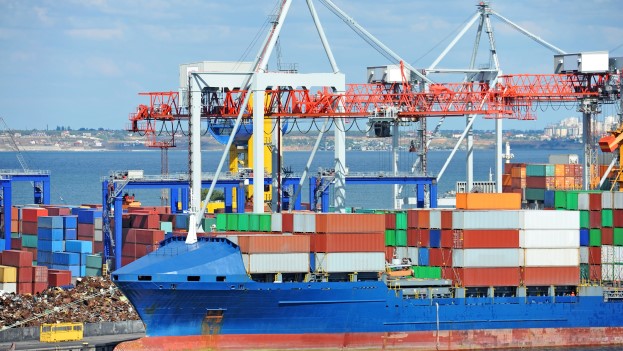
pixel 614 143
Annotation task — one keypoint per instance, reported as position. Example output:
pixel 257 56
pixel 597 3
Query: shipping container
pixel 50 233
pixel 31 214
pixel 424 272
pixel 277 262
pixel 144 236
pixel 275 223
pixel 51 222
pixel 594 237
pixel 274 243
pixel 435 220
pixel 350 262
pixel 17 258
pixel 551 257
pixel 493 238
pixel 487 257
pixel 463 219
pixel 440 257
pixel 304 222
pixel 8 274
pixel 423 256
pixel 531 219
pixel 352 222
pixel 419 237
pixel 612 272
pixel 549 238
pixel 546 276
pixel 488 201
pixel 435 238
pixel 79 246
pixel 487 277
pixel 583 255
pixel 40 274
pixel 10 288
pixel 607 236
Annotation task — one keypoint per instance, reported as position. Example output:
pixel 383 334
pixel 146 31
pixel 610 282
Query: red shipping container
pixel 125 221
pixel 594 256
pixel 144 221
pixel 423 218
pixel 17 258
pixel 447 238
pixel 544 276
pixel 31 214
pixel 29 228
pixel 440 257
pixel 594 272
pixel 85 238
pixel 348 242
pixel 607 236
pixel 25 274
pixel 59 277
pixel 137 250
pixel 389 253
pixel 485 277
pixel 38 288
pixel 349 223
pixel 58 211
pixel 594 219
pixel 16 244
pixel 617 218
pixel 32 250
pixel 594 201
pixel 446 219
pixel 127 260
pixel 418 237
pixel 24 288
pixel 86 229
pixel 489 239
pixel 287 222
pixel 390 220
pixel 275 243
pixel 40 274
pixel 144 236
pixel 536 182
pixel 98 247
pixel 448 273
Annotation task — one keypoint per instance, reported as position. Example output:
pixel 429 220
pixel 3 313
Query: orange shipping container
pixel 507 180
pixel 347 242
pixel 485 277
pixel 274 243
pixel 487 239
pixel 559 170
pixel 349 223
pixel 543 276
pixel 488 201
pixel 518 172
pixel 31 214
pixel 419 218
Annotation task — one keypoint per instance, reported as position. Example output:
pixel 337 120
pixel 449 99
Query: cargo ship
pixel 445 279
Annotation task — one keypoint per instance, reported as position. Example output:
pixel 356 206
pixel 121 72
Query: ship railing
pixel 10 172
pixel 613 294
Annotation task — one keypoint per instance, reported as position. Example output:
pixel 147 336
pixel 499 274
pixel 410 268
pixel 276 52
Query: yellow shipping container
pixel 8 274
pixel 488 201
pixel 559 170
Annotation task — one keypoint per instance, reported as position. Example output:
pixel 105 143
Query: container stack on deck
pixel 532 180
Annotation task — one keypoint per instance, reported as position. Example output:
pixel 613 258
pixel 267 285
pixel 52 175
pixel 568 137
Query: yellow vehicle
pixel 61 332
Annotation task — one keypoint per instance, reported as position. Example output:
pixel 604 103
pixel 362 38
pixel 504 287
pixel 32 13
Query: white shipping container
pixel 611 254
pixel 551 257
pixel 549 238
pixel 583 201
pixel 276 262
pixel 413 254
pixel 97 235
pixel 275 222
pixel 537 219
pixel 435 219
pixel 607 199
pixel 486 219
pixel 401 252
pixel 97 223
pixel 304 223
pixel 350 262
pixel 487 257
pixel 618 200
pixel 610 272
pixel 584 254
pixel 9 287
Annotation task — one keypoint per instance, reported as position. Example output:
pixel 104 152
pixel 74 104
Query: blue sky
pixel 82 63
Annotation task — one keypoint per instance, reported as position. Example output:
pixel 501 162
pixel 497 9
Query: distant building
pixel 571 128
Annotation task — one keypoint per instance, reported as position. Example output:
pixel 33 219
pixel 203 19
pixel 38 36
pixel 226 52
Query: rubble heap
pixel 93 300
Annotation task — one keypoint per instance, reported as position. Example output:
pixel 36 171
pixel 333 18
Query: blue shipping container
pixel 584 237
pixel 549 201
pixel 70 234
pixel 88 216
pixel 51 246
pixel 66 258
pixel 75 270
pixel 50 222
pixel 435 238
pixel 181 221
pixel 53 234
pixel 79 246
pixel 44 257
pixel 70 222
pixel 422 256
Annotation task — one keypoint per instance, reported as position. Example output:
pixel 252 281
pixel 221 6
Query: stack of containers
pixel 141 235
pixel 514 178
pixel 344 242
pixel 93 265
pixel 15 228
pixel 271 254
pixel 87 223
pixel 82 249
pixel 601 233
pixel 29 279
pixel 50 239
pixel 542 177
pixel 58 277
pixel 425 249
pixel 29 224
pixel 8 279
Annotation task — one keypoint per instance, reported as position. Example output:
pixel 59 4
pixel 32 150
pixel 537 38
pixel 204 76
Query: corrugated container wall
pixel 487 257
pixel 350 262
pixel 486 219
pixel 549 238
pixel 551 257
pixel 276 262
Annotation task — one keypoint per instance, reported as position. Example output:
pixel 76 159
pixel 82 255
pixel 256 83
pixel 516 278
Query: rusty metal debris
pixel 93 300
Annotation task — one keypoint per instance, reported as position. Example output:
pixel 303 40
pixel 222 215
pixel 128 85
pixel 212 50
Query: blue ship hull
pixel 203 290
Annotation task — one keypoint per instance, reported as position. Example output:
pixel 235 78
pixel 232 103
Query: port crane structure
pixel 411 96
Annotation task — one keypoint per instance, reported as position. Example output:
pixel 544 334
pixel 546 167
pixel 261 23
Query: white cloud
pixel 96 33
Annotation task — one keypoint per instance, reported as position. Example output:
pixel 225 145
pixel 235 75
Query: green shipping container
pixel 232 221
pixel 618 236
pixel 426 272
pixel 15 235
pixel 254 222
pixel 390 237
pixel 572 200
pixel 594 237
pixel 93 272
pixel 94 261
pixel 29 240
pixel 243 222
pixel 540 170
pixel 534 194
pixel 584 271
pixel 221 222
pixel 584 219
pixel 606 218
pixel 560 199
pixel 401 220
pixel 264 222
pixel 207 223
pixel 401 237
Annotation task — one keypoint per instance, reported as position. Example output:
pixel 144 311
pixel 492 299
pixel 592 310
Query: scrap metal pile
pixel 93 300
